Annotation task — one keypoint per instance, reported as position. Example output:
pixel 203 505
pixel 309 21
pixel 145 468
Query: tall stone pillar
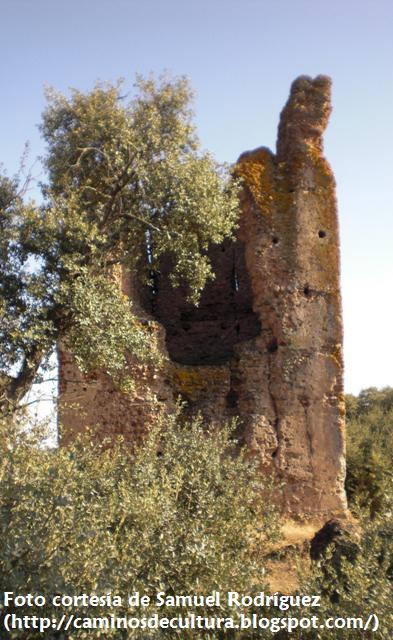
pixel 290 233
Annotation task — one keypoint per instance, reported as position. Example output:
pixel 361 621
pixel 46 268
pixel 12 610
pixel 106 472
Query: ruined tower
pixel 265 342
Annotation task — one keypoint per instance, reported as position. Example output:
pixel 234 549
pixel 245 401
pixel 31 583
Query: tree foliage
pixel 126 184
pixel 370 449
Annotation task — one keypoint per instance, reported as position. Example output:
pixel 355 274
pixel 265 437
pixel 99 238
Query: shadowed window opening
pixel 322 234
pixel 207 333
pixel 275 240
pixel 307 290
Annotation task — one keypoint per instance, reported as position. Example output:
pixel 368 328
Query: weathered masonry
pixel 265 343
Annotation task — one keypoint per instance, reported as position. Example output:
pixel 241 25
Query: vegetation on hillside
pixel 183 514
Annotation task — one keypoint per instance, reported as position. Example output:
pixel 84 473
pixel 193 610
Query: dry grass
pixel 292 549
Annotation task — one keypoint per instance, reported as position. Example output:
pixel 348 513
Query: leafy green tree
pixel 126 184
pixel 370 449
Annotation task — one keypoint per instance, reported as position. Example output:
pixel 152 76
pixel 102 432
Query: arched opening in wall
pixel 207 333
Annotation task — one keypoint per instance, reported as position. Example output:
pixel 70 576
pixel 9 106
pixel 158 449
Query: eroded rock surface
pixel 265 343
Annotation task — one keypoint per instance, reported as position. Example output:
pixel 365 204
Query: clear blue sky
pixel 241 57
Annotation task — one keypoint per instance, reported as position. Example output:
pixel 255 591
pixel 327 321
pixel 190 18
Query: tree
pixel 369 449
pixel 126 184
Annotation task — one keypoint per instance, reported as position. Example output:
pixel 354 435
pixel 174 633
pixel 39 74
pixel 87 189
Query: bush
pixel 354 585
pixel 182 514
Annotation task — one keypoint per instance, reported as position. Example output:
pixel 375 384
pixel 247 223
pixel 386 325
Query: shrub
pixel 182 514
pixel 354 585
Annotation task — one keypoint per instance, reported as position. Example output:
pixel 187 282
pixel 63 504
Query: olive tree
pixel 126 183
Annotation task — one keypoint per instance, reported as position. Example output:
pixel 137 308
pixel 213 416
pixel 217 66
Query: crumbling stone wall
pixel 265 343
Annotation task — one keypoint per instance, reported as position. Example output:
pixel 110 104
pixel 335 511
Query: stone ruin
pixel 265 343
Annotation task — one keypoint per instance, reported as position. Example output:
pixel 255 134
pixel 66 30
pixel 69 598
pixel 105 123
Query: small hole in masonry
pixel 232 399
pixel 272 346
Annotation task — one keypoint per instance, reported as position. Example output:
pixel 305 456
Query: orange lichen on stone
pixel 193 383
pixel 293 261
pixel 256 171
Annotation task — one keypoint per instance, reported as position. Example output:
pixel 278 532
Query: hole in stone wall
pixel 207 333
pixel 275 240
pixel 231 399
pixel 322 234
pixel 235 279
pixel 306 290
pixel 272 345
